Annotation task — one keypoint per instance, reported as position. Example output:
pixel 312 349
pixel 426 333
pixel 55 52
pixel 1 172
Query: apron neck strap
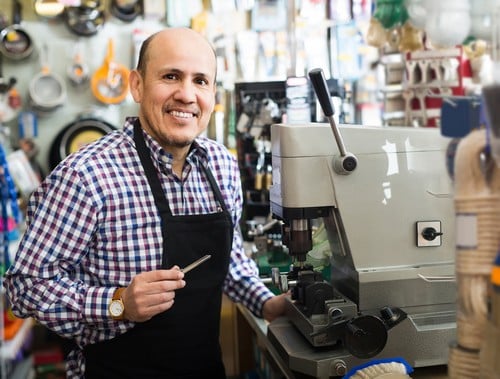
pixel 158 194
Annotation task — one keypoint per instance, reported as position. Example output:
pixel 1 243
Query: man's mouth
pixel 182 114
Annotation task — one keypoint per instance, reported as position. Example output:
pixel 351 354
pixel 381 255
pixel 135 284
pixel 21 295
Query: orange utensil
pixel 109 83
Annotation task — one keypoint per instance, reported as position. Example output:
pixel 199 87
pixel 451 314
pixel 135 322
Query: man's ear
pixel 135 83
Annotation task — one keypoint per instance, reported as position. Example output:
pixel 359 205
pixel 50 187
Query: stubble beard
pixel 167 139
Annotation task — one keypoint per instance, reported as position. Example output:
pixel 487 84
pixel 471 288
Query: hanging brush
pixel 391 368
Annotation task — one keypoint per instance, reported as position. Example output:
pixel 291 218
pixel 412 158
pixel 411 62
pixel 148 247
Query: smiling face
pixel 176 88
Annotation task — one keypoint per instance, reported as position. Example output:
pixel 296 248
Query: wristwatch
pixel 116 307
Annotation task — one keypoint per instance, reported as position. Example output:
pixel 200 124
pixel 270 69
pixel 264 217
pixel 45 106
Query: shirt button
pixel 164 159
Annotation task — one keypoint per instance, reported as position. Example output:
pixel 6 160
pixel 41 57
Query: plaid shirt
pixel 93 224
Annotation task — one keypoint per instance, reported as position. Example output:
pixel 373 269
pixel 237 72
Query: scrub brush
pixel 393 368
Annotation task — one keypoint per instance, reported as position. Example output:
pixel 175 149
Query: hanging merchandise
pixel 83 130
pixel 376 35
pixel 110 82
pixel 431 76
pixel 440 15
pixel 27 124
pixel 247 47
pixel 410 38
pixel 180 13
pixel 478 52
pixel 48 9
pixel 482 18
pixel 22 171
pixel 47 90
pixel 416 13
pixel 393 24
pixel 10 100
pixel 126 10
pixel 10 213
pixel 269 15
pixel 15 42
pixel 346 51
pixel 390 13
pixel 460 115
pixel 86 19
pixel 78 71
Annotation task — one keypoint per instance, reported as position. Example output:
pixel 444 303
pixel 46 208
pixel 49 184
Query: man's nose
pixel 186 91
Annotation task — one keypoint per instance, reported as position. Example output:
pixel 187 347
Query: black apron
pixel 182 342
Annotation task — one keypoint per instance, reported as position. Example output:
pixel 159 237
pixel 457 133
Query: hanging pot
pixel 86 19
pixel 15 42
pixel 109 83
pixel 126 10
pixel 82 131
pixel 47 90
pixel 48 9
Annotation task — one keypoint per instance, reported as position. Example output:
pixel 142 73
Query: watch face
pixel 116 308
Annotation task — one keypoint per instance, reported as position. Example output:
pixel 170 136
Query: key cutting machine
pixel 387 206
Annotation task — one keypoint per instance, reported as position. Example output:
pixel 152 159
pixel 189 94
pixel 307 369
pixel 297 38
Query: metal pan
pixel 15 42
pixel 47 90
pixel 83 130
pixel 86 19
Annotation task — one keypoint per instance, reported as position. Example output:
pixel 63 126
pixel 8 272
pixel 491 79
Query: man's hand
pixel 151 293
pixel 274 307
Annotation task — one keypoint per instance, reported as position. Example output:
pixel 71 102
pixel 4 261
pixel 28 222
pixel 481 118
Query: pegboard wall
pixel 60 45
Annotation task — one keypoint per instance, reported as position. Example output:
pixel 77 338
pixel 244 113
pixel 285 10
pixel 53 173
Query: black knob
pixel 387 313
pixel 349 163
pixel 392 316
pixel 430 234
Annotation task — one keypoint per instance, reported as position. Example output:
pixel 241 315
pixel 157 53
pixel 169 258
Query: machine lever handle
pixel 347 162
pixel 321 88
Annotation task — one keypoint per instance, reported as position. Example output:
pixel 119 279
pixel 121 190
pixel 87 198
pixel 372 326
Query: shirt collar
pixel 197 153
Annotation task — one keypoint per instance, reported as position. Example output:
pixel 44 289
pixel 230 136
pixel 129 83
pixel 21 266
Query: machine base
pixel 422 340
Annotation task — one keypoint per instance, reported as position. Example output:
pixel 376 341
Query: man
pixel 110 228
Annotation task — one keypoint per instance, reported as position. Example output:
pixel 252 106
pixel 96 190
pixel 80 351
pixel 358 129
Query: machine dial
pixel 430 234
pixel 365 336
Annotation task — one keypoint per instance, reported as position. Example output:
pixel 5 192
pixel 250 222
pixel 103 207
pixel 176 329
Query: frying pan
pixel 86 19
pixel 15 42
pixel 83 130
pixel 109 83
pixel 47 90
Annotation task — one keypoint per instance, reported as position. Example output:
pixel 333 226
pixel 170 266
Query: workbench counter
pixel 250 327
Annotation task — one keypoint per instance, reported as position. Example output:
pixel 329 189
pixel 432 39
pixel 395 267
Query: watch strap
pixel 117 295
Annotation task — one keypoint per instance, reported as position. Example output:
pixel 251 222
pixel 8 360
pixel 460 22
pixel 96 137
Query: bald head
pixel 168 38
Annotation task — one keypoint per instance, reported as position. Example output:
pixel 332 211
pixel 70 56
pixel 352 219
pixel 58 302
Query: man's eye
pixel 170 76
